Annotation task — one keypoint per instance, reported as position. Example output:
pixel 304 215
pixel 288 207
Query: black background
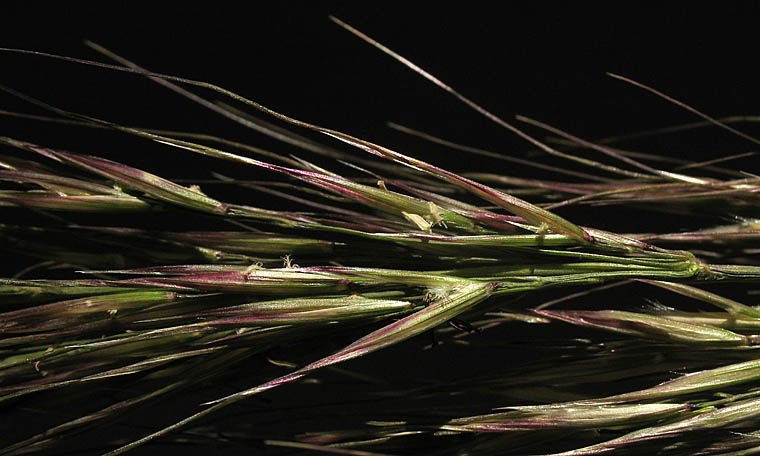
pixel 546 61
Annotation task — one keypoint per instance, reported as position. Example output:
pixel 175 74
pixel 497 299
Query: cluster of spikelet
pixel 400 250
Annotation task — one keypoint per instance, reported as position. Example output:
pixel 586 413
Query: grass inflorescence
pixel 111 318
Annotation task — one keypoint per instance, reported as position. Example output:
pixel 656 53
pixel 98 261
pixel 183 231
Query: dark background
pixel 545 61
